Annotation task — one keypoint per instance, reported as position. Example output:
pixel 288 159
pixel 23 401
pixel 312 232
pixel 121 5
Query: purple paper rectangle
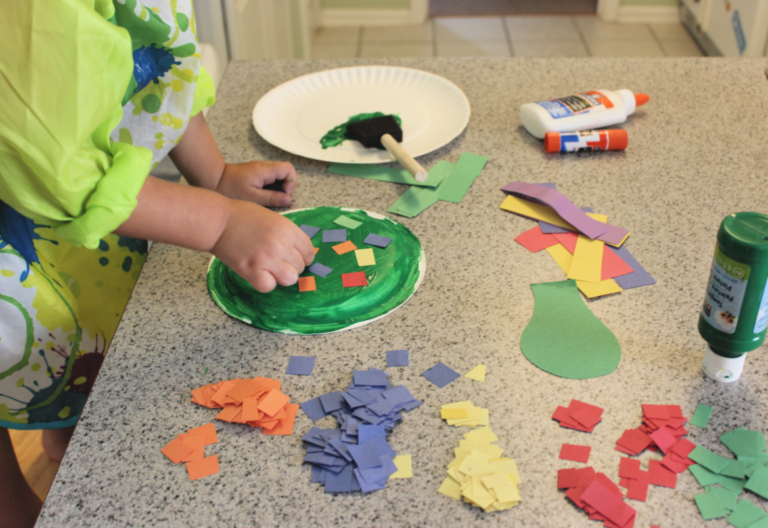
pixel 301 365
pixel 397 358
pixel 562 205
pixel 441 375
pixel 377 240
pixel 309 230
pixel 320 270
pixel 335 235
pixel 639 277
pixel 549 229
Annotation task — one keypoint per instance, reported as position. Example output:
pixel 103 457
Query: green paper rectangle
pixel 761 523
pixel 746 514
pixel 417 199
pixel 735 469
pixel 347 222
pixel 385 174
pixel 701 416
pixel 461 178
pixel 743 443
pixel 709 506
pixel 704 457
pixel 731 483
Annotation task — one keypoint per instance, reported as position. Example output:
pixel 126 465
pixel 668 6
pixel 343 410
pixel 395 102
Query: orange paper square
pixel 229 413
pixel 344 247
pixel 285 426
pixel 307 284
pixel 176 450
pixel 203 468
pixel 208 431
pixel 250 409
pixel 273 402
pixel 244 388
pixel 197 443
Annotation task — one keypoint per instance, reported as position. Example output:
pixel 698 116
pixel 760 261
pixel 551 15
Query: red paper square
pixel 607 503
pixel 357 278
pixel 567 478
pixel 560 414
pixel 624 450
pixel 638 488
pixel 588 415
pixel 660 475
pixel 628 468
pixel 634 440
pixel 664 438
pixel 575 453
pixel 624 482
pixel 656 411
pixel 683 447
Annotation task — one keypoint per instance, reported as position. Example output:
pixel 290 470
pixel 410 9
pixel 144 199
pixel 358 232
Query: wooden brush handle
pixel 403 158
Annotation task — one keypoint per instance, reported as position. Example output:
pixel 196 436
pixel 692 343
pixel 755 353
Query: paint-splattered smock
pixel 93 93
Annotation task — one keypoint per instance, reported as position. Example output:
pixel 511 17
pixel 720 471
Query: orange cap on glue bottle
pixel 586 140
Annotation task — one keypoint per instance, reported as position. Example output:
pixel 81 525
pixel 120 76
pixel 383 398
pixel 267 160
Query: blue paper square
pixel 397 358
pixel 365 456
pixel 335 235
pixel 370 378
pixel 309 230
pixel 377 240
pixel 301 365
pixel 320 270
pixel 441 375
pixel 333 401
pixel 313 409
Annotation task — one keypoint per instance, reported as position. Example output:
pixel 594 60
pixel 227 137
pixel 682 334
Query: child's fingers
pixel 306 249
pixel 287 174
pixel 295 259
pixel 285 273
pixel 271 198
pixel 262 280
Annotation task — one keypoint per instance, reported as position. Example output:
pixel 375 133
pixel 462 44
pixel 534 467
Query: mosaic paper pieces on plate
pixel 356 456
pixel 480 475
pixel 589 251
pixel 257 402
pixel 579 416
pixel 464 414
pixel 190 449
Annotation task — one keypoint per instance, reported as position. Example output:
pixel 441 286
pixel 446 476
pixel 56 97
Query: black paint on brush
pixel 369 131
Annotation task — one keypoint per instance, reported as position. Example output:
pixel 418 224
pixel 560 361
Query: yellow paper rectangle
pixel 561 256
pixel 365 257
pixel 454 413
pixel 598 289
pixel 587 260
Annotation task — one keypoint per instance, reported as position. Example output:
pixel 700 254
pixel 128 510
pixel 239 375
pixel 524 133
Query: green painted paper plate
pixel 395 277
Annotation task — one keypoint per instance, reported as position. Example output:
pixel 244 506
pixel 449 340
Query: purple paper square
pixel 370 378
pixel 313 409
pixel 365 456
pixel 333 401
pixel 441 375
pixel 320 270
pixel 335 235
pixel 377 240
pixel 309 230
pixel 397 358
pixel 301 365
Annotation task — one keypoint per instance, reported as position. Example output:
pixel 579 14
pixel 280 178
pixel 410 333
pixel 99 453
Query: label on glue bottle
pixel 725 293
pixel 762 313
pixel 576 104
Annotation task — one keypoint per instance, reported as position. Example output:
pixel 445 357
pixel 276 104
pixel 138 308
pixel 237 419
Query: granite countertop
pixel 696 154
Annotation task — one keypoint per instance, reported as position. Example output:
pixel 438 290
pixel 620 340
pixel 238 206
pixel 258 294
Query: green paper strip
pixel 713 462
pixel 701 416
pixel 417 199
pixel 745 514
pixel 758 482
pixel 463 175
pixel 385 174
pixel 565 338
pixel 709 506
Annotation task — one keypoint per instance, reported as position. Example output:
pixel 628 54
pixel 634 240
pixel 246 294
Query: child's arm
pixel 261 246
pixel 198 158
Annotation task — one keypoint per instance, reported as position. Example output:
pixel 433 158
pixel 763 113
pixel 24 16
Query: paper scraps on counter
pixel 441 375
pixel 356 456
pixel 257 402
pixel 597 495
pixel 565 338
pixel 700 418
pixel 575 453
pixel 464 414
pixel 301 365
pixel 477 373
pixel 579 416
pixel 456 181
pixel 480 475
pixel 404 464
pixel 397 358
pixel 601 265
pixel 190 449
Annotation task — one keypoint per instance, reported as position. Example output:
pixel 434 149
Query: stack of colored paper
pixel 597 495
pixel 356 456
pixel 190 449
pixel 662 429
pixel 578 415
pixel 257 402
pixel 587 248
pixel 464 414
pixel 480 475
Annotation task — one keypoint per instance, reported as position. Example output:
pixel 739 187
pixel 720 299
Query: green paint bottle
pixel 734 316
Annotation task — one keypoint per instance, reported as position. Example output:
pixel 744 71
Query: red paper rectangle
pixel 656 411
pixel 683 447
pixel 624 482
pixel 661 476
pixel 588 415
pixel 350 280
pixel 560 414
pixel 576 453
pixel 624 450
pixel 534 240
pixel 634 440
pixel 670 462
pixel 628 468
pixel 638 488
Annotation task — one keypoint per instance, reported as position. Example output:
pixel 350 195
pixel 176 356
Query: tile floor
pixel 522 36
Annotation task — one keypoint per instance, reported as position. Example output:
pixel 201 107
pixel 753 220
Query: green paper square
pixel 701 416
pixel 735 468
pixel 761 523
pixel 704 457
pixel 704 476
pixel 758 482
pixel 347 222
pixel 743 442
pixel 727 498
pixel 731 483
pixel 745 514
pixel 461 178
pixel 709 506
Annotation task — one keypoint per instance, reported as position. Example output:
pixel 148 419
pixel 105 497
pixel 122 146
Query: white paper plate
pixel 296 114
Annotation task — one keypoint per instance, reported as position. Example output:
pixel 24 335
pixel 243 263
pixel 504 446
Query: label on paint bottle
pixel 762 313
pixel 725 293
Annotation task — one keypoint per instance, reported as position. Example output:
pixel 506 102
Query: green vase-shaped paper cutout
pixel 565 338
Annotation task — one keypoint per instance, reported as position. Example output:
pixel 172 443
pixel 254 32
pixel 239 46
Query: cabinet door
pixel 738 27
pixel 267 29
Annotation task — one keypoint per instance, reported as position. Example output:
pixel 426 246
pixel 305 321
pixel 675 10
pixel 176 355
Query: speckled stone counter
pixel 696 153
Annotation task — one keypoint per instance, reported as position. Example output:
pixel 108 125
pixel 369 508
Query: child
pixel 95 93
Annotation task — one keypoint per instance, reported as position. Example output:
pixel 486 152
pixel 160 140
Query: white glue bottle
pixel 584 111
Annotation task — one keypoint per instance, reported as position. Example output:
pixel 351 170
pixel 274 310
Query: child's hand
pixel 263 247
pixel 246 181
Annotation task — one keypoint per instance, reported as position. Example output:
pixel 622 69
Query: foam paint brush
pixel 385 132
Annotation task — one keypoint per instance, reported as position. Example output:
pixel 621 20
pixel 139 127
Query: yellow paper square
pixel 404 467
pixel 450 488
pixel 507 493
pixel 497 480
pixel 365 257
pixel 484 435
pixel 454 413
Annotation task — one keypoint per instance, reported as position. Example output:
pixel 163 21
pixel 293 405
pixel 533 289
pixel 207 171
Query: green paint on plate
pixel 337 135
pixel 391 282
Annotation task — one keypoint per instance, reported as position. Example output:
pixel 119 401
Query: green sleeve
pixel 205 92
pixel 63 71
